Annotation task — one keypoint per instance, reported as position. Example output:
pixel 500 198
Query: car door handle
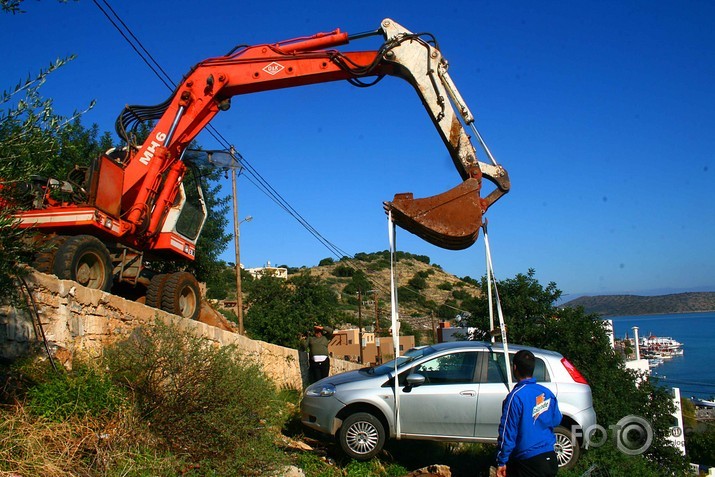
pixel 468 393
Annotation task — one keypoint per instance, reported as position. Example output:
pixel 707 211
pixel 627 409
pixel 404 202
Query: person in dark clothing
pixel 318 356
pixel 526 431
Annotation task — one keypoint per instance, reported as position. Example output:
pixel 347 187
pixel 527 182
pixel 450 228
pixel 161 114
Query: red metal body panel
pixel 107 192
pixel 175 244
pixel 80 219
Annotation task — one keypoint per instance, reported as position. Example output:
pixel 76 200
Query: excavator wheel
pixel 44 260
pixel 155 290
pixel 181 295
pixel 84 259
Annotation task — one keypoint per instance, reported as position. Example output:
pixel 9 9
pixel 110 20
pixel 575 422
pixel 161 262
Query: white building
pixel 268 271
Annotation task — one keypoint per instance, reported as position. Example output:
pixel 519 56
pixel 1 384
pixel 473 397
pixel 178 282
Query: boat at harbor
pixel 703 402
pixel 657 349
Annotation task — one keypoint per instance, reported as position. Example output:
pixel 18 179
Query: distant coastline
pixel 617 305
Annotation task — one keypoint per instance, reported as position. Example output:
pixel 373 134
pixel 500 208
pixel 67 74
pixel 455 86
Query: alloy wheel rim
pixel 362 437
pixel 563 449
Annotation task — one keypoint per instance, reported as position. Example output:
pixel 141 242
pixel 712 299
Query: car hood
pixel 353 377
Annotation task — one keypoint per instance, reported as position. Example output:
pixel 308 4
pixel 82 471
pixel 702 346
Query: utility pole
pixel 377 312
pixel 237 237
pixel 360 322
pixel 434 328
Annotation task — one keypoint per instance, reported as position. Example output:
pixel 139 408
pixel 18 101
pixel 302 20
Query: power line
pixel 166 75
pixel 134 47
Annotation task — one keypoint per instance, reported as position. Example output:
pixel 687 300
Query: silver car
pixel 447 392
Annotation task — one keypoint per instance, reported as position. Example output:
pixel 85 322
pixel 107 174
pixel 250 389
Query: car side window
pixel 455 368
pixel 496 369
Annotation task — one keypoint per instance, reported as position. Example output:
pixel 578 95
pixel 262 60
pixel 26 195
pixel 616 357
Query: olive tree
pixel 30 134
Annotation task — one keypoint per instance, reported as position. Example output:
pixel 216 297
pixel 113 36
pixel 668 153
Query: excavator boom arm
pixel 450 220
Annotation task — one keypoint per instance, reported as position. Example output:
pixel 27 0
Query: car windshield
pixel 409 356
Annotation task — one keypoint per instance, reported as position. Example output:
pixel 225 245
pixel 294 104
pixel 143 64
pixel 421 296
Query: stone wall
pixel 78 321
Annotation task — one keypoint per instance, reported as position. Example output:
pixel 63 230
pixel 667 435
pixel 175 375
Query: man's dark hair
pixel 524 361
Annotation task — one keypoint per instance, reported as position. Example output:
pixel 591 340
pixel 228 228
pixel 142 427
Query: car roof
pixel 476 345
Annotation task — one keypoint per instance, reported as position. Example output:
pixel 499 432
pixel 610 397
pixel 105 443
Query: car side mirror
pixel 414 380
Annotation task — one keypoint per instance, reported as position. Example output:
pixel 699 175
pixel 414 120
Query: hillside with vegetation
pixel 426 292
pixel 619 305
pixel 346 293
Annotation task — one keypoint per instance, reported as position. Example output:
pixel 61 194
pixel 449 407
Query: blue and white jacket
pixel 529 414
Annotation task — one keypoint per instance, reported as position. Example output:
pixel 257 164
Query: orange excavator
pixel 132 207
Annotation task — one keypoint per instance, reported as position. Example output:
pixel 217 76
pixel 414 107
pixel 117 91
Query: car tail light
pixel 575 373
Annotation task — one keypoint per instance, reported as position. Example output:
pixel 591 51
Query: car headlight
pixel 320 390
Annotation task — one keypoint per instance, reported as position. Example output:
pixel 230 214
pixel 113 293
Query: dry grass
pixel 34 446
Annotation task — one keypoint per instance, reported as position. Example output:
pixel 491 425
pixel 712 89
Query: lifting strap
pixel 395 318
pixel 492 281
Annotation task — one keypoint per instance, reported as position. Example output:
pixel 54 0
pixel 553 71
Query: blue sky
pixel 602 112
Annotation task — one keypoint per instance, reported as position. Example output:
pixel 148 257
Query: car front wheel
pixel 362 436
pixel 567 448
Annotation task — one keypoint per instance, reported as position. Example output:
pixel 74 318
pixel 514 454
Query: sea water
pixel 694 371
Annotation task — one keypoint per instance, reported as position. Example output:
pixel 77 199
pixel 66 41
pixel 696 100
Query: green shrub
pixel 461 295
pixel 445 286
pixel 343 271
pixel 701 445
pixel 417 282
pixel 83 391
pixel 326 261
pixel 472 281
pixel 409 295
pixel 203 401
pixel 448 310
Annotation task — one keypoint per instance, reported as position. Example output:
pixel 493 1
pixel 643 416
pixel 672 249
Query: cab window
pixel 192 216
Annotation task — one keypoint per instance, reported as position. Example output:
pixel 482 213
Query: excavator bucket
pixel 449 220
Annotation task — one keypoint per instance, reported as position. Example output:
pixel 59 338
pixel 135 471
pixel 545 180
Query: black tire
pixel 361 436
pixel 181 295
pixel 84 259
pixel 155 290
pixel 567 448
pixel 44 260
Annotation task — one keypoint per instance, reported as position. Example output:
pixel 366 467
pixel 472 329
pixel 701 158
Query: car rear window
pixel 496 370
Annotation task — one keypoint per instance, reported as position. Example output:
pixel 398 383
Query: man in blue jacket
pixel 526 431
